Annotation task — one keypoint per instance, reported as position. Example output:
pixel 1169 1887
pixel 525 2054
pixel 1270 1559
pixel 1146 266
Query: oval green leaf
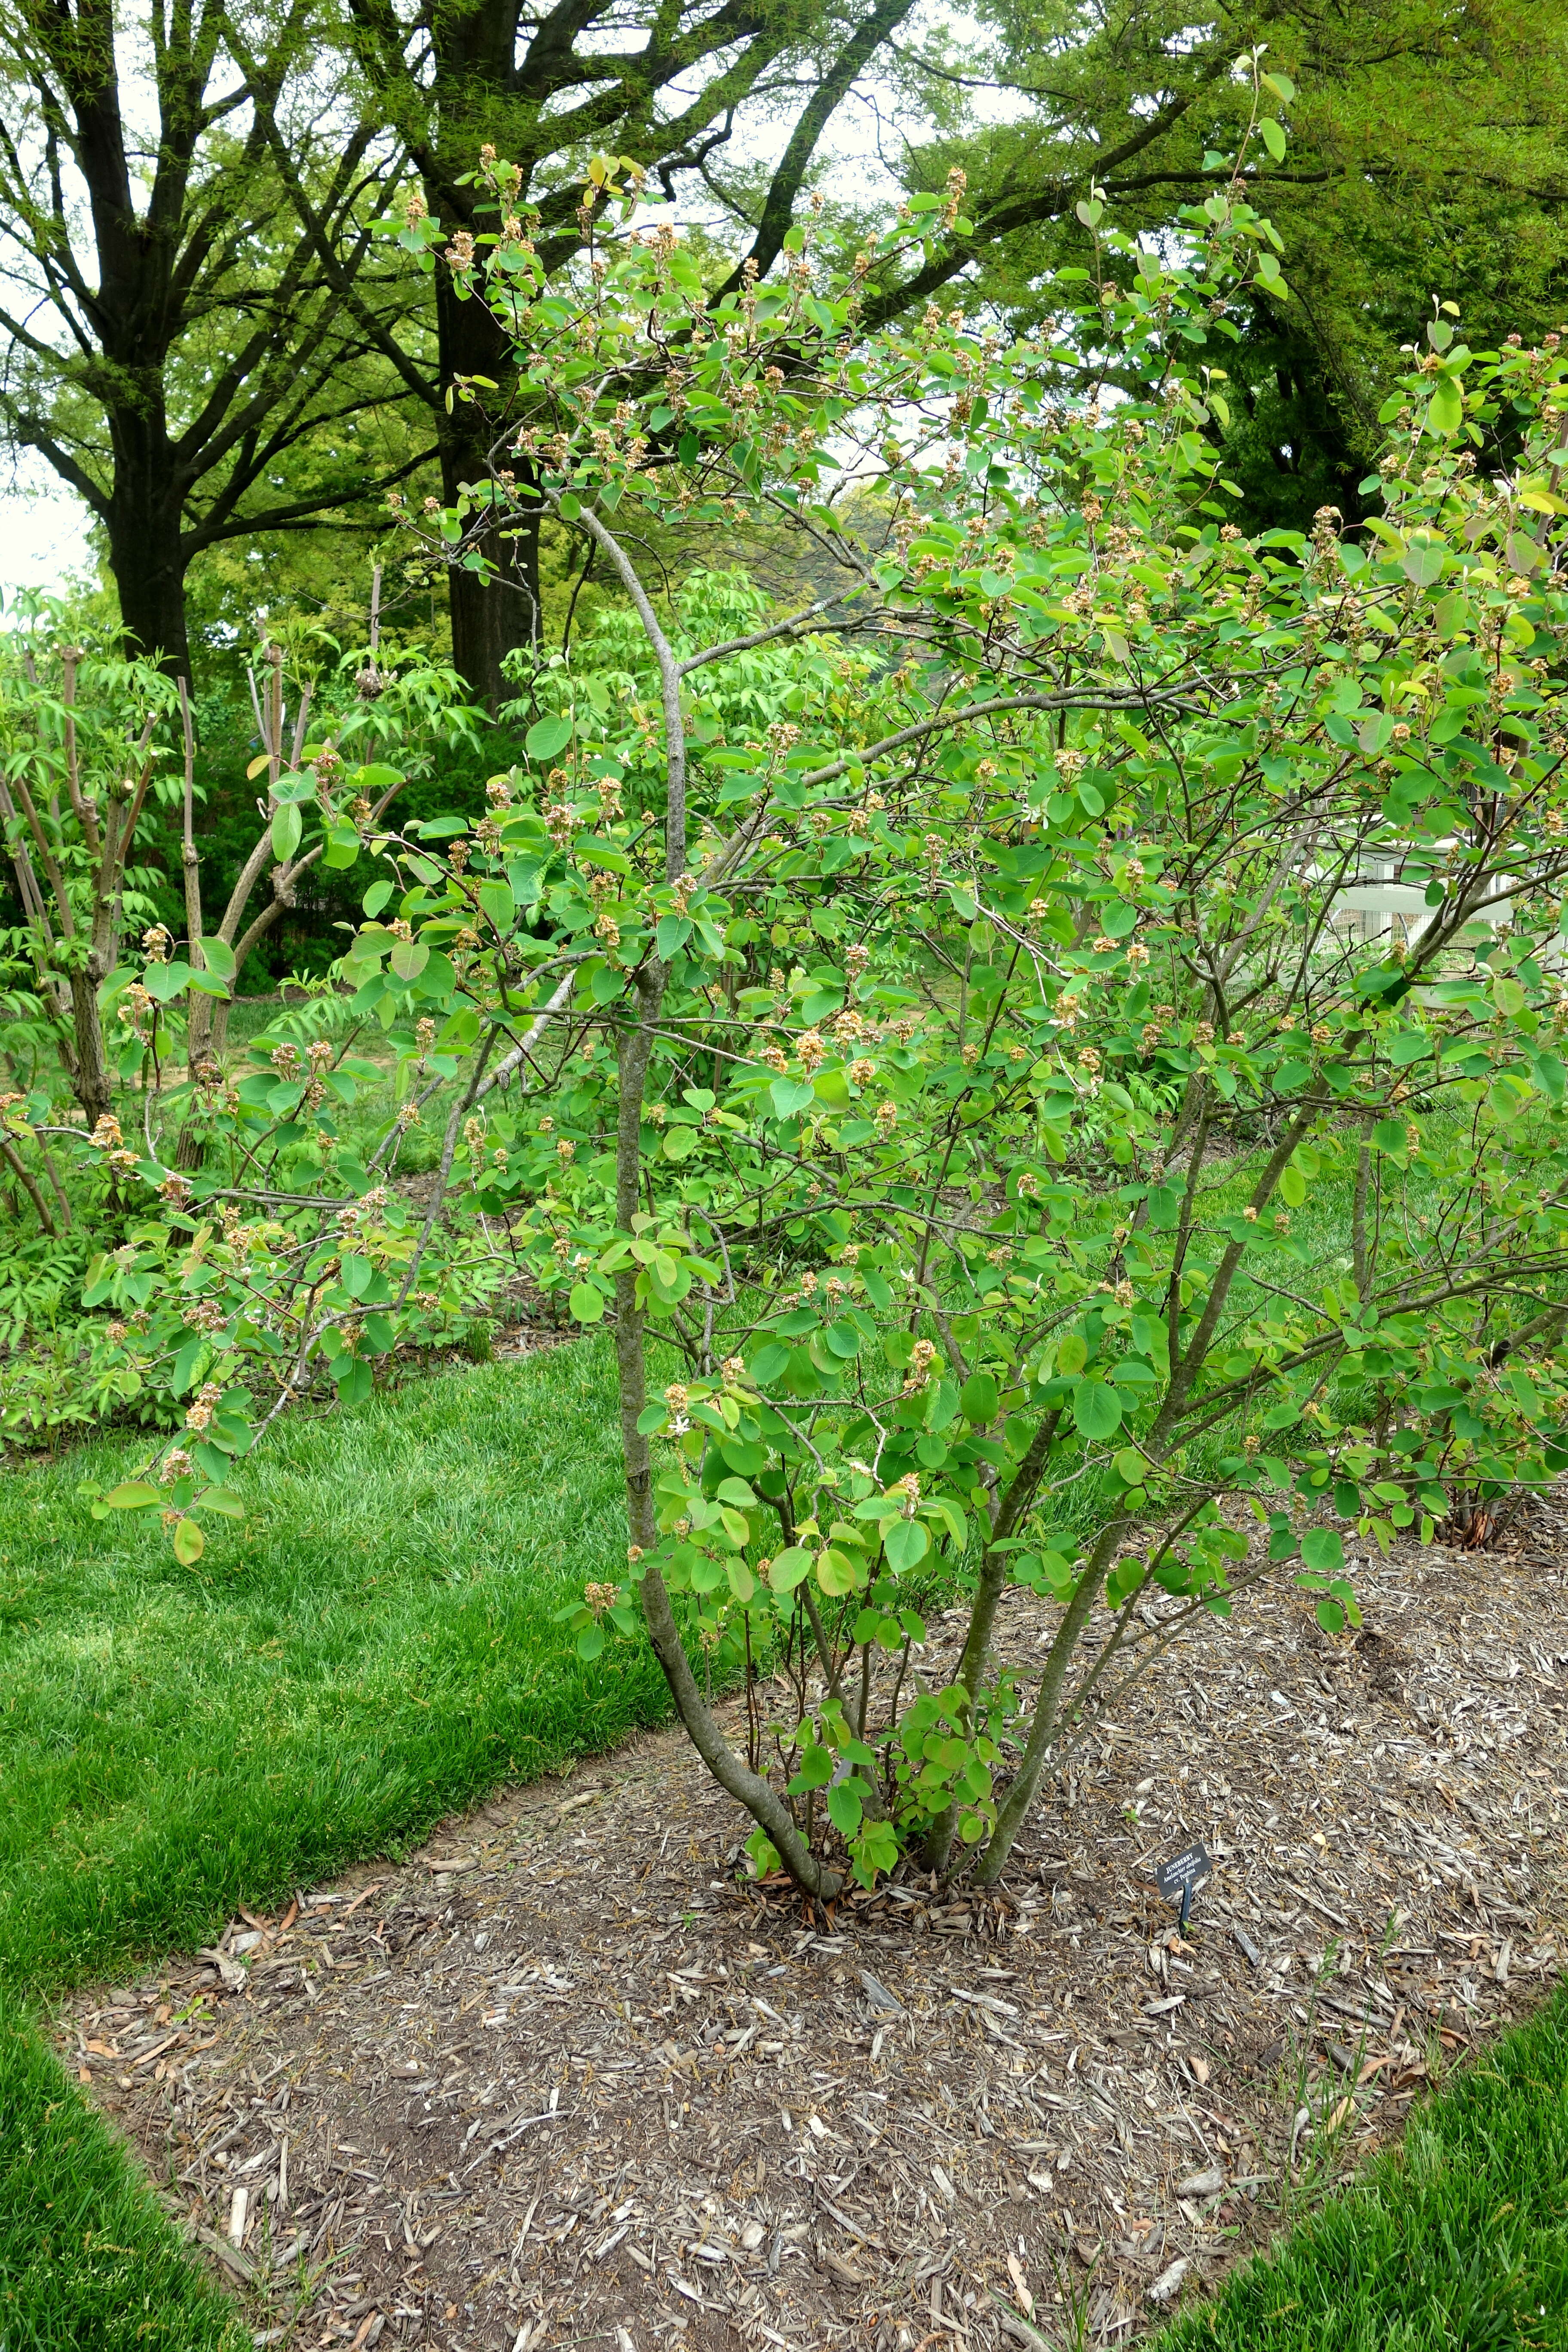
pixel 547 737
pixel 1097 1411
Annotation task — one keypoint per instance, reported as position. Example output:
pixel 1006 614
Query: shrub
pixel 973 1095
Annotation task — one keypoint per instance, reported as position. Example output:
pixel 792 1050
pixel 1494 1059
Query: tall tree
pixel 667 83
pixel 174 335
pixel 1427 157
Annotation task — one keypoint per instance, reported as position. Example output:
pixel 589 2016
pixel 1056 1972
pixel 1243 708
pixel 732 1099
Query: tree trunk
pixel 145 553
pixel 496 616
pixel 90 1081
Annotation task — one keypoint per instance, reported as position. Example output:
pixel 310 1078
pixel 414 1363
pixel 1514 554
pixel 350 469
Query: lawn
pixel 373 1648
pixel 1454 2242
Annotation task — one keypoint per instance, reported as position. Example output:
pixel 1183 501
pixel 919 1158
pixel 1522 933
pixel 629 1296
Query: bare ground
pixel 556 2080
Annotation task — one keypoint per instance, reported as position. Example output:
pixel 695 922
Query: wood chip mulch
pixel 556 2080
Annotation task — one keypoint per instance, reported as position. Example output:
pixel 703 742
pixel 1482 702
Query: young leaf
pixel 288 826
pixel 1446 411
pixel 547 737
pixel 133 1496
pixel 189 1542
pixel 844 1808
pixel 906 1544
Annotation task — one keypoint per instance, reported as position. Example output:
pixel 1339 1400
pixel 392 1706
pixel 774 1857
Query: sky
pixel 42 531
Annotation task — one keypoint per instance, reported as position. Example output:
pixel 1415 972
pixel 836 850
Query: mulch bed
pixel 557 2080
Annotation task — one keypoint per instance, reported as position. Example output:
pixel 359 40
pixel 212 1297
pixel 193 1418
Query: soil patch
pixel 556 2080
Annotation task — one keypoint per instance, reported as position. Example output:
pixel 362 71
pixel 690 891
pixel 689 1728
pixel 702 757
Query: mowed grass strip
pixel 88 2262
pixel 372 1648
pixel 1456 2240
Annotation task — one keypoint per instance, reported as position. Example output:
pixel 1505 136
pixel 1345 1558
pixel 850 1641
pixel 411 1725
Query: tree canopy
pixel 213 347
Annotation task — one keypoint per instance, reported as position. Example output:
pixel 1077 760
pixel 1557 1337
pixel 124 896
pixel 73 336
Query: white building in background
pixel 1376 907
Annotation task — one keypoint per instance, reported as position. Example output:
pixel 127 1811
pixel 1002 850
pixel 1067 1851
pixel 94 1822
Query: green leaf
pixel 1322 1552
pixel 1292 1187
pixel 952 1514
pixel 288 826
pixel 189 1542
pixel 790 1569
pixel 134 1495
pixel 548 737
pixel 165 981
pixel 1423 564
pixel 763 1855
pixel 586 1302
pixel 1130 1466
pixel 1273 138
pixel 839 1574
pixel 226 1505
pixel 942 1405
pixel 1446 412
pixel 770 1363
pixel 906 1544
pixel 844 1808
pixel 1072 1354
pixel 815 1771
pixel 742 1583
pixel 409 958
pixel 1097 1411
pixel 791 1094
pixel 978 1400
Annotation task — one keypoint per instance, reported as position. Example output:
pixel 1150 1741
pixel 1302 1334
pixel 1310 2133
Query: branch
pixel 784 186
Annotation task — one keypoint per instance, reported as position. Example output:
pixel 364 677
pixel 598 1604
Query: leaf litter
pixel 558 2079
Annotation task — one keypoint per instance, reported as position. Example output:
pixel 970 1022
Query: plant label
pixel 1178 1877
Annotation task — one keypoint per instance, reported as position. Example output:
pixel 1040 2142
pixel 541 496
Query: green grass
pixel 1454 2242
pixel 372 1649
pixel 87 2259
pixel 373 1646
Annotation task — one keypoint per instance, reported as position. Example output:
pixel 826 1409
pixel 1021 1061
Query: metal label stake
pixel 1180 1877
